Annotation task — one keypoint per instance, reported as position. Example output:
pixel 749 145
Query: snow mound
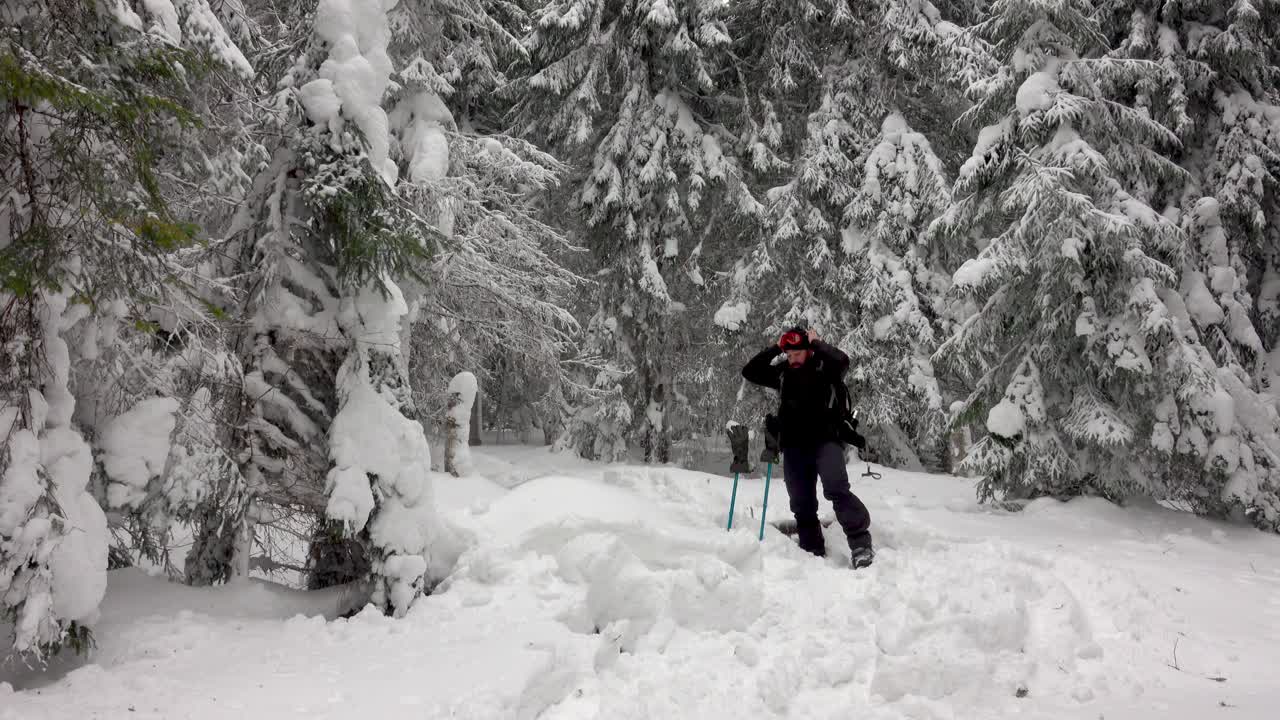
pixel 634 586
pixel 894 124
pixel 675 617
pixel 460 500
pixel 319 100
pixel 79 560
pixel 627 574
pixel 422 121
pixel 1008 626
pixel 542 514
pixel 142 616
pixel 465 385
pixel 616 592
pixel 984 150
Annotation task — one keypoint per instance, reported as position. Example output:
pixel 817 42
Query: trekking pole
pixel 863 450
pixel 732 499
pixel 769 456
pixel 739 442
pixel 768 473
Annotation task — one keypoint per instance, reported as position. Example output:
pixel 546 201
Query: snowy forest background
pixel 246 245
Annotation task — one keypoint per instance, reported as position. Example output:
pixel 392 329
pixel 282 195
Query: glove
pixel 858 441
pixel 739 443
pixel 847 432
pixel 772 440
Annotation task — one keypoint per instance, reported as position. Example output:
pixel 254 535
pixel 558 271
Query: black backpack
pixel 840 404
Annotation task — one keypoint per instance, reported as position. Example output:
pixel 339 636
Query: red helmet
pixel 794 340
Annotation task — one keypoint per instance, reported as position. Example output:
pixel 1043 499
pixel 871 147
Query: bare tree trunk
pixel 961 439
pixel 242 548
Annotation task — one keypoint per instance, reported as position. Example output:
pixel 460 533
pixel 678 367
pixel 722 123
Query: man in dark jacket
pixel 808 437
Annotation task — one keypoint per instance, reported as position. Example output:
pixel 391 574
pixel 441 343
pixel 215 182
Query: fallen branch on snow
pixel 1175 665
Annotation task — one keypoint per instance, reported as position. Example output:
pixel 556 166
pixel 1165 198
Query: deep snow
pixel 596 591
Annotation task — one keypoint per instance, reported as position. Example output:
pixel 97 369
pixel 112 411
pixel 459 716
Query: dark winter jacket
pixel 805 412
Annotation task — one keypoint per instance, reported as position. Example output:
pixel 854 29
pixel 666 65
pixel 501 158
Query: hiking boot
pixel 862 557
pixel 809 536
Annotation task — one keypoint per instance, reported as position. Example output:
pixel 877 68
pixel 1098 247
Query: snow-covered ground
pixel 616 592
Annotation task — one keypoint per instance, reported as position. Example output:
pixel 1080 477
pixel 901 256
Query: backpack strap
pixel 839 388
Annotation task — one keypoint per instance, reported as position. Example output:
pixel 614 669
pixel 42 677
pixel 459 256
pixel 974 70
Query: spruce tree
pixel 629 90
pixel 331 419
pixel 811 105
pixel 898 286
pixel 1080 330
pixel 1221 81
pixel 100 122
pixel 1219 94
pixel 820 81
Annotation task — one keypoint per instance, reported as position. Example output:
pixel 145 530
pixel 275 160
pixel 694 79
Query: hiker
pixel 807 434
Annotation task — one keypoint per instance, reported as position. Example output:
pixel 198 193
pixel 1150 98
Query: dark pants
pixel 801 469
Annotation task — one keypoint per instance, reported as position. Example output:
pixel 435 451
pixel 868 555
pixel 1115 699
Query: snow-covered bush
pixel 53 535
pixel 462 397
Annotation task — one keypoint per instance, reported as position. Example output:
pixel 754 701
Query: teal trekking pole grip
pixel 768 474
pixel 732 499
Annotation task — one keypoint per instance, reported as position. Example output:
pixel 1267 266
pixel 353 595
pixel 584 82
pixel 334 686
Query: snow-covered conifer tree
pixel 458 49
pixel 97 123
pixel 1220 95
pixel 599 412
pixel 331 240
pixel 157 405
pixel 896 288
pixel 818 79
pixel 495 305
pixel 629 90
pixel 809 112
pixel 1080 327
pixel 1221 75
pixel 388 178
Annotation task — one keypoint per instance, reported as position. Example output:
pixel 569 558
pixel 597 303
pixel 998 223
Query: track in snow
pixel 673 617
